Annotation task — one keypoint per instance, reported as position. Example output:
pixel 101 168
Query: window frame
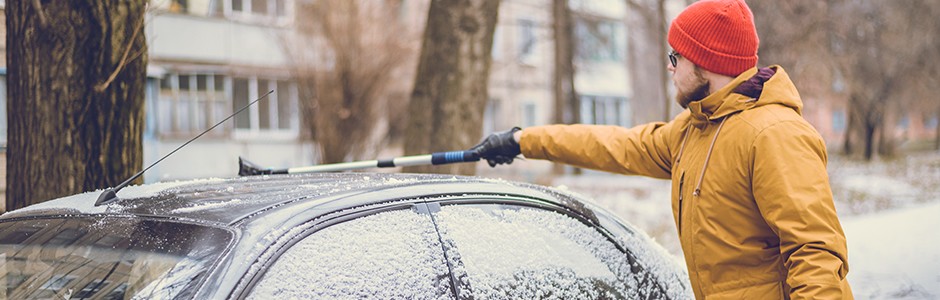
pixel 583 215
pixel 255 130
pixel 246 13
pixel 616 110
pixel 599 39
pixel 527 42
pixel 205 109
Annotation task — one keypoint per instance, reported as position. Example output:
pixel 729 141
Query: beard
pixel 698 92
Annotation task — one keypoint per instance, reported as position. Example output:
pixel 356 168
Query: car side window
pixel 388 255
pixel 517 252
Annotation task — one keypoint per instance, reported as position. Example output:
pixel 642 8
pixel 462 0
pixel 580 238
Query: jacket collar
pixel 775 88
pixel 721 103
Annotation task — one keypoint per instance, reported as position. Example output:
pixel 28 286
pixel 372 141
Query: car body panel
pixel 268 213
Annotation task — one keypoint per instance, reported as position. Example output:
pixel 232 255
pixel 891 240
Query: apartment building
pixel 208 58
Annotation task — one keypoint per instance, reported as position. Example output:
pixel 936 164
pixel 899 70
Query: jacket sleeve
pixel 642 150
pixel 791 188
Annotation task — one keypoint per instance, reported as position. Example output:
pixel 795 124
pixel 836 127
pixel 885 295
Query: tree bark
pixel 76 77
pixel 847 145
pixel 869 141
pixel 450 93
pixel 936 130
pixel 665 78
pixel 566 97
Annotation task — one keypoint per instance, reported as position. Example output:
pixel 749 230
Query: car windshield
pixel 105 257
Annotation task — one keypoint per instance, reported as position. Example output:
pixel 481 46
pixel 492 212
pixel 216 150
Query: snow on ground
pixel 895 254
pixel 890 211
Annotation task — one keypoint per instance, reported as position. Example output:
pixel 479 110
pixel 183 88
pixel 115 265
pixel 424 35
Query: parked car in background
pixel 346 235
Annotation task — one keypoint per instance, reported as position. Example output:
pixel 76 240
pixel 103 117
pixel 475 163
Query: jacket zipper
pixel 681 183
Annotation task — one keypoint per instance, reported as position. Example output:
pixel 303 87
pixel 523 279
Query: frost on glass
pixel 503 252
pixel 105 258
pixel 390 255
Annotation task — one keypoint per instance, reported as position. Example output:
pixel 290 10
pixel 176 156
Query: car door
pixel 518 249
pixel 374 254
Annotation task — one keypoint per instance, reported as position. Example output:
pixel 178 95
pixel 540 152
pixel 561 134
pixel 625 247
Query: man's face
pixel 688 80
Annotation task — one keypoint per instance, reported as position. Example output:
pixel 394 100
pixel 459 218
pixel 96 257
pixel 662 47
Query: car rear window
pixel 105 257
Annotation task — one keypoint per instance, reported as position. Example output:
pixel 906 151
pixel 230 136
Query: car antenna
pixel 110 195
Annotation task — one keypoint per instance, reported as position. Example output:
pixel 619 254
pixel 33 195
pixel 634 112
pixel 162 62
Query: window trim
pixel 205 110
pixel 617 108
pixel 591 221
pixel 246 14
pixel 527 42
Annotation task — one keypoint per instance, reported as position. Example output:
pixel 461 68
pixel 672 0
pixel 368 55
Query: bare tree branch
pixel 124 58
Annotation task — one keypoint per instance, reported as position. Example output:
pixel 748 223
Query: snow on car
pixel 348 235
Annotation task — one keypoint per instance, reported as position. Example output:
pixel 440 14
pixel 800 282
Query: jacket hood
pixel 753 88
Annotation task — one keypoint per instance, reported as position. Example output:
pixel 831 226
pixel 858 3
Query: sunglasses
pixel 674 58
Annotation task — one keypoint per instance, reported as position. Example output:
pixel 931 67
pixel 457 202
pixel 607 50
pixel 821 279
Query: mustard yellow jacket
pixel 750 192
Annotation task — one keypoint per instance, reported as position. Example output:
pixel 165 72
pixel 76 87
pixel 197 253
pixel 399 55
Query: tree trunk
pixel 663 57
pixel 847 134
pixel 647 61
pixel 566 97
pixel 76 76
pixel 886 142
pixel 869 141
pixel 936 132
pixel 450 93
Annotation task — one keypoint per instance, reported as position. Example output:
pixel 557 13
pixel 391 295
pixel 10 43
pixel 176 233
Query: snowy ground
pixel 888 210
pixel 895 254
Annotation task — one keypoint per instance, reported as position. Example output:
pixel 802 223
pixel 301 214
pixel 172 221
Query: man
pixel 750 192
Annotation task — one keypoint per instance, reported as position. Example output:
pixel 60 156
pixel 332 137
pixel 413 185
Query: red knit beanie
pixel 717 35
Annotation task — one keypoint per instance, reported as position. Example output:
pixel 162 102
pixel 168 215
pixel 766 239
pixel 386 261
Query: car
pixel 331 235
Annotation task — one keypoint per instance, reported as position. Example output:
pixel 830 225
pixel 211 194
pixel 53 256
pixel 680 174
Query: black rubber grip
pixel 386 163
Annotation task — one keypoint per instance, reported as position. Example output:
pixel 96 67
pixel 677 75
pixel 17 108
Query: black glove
pixel 498 148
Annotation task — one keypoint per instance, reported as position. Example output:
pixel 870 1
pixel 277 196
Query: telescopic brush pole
pixel 246 168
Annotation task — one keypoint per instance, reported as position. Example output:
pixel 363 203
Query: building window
pixel 276 113
pixel 599 40
pixel 254 10
pixel 605 110
pixel 527 41
pixel 192 102
pixel 932 123
pixel 838 120
pixel 530 115
pixel 490 115
pixel 497 52
pixel 904 122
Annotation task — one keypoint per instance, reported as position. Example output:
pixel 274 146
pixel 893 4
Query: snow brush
pixel 247 168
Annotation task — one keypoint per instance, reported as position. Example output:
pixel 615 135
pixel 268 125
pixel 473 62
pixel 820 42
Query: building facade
pixel 208 58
